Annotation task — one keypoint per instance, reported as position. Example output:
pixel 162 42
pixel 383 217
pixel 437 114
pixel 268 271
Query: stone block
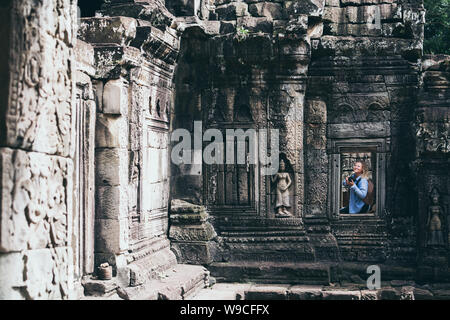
pixel 111 236
pixel 178 206
pixel 341 295
pixel 232 11
pixel 305 7
pixel 267 292
pixel 203 232
pixel 273 11
pixel 117 30
pixel 193 252
pixel 111 167
pixel 111 131
pixel 253 24
pixel 115 98
pixel 305 293
pixel 84 57
pixel 227 27
pixel 111 202
pixel 99 287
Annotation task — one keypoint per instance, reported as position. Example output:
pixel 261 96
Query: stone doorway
pixel 232 187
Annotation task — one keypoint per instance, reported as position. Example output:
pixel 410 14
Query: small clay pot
pixel 105 272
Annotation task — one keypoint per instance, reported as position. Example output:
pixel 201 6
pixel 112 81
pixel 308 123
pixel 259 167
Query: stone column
pixel 36 149
pixel 316 166
pixel 111 174
pixel 287 111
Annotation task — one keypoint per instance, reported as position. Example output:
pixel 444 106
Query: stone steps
pixel 394 290
pixel 177 283
pixel 264 272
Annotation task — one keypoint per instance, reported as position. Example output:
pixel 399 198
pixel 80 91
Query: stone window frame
pixel 378 145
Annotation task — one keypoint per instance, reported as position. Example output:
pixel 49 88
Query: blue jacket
pixel 357 193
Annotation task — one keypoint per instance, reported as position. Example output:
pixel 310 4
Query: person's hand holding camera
pixel 350 182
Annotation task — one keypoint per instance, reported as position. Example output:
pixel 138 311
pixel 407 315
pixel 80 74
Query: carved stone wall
pixel 85 169
pixel 135 61
pixel 37 146
pixel 431 163
pixel 368 84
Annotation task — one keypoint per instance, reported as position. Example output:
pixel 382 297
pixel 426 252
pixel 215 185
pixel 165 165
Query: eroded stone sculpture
pixel 283 182
pixel 435 220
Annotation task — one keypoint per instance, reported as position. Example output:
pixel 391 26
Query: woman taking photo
pixel 358 185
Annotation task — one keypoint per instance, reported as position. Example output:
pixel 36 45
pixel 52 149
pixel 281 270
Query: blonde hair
pixel 365 173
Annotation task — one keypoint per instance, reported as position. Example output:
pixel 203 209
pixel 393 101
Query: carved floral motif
pixel 37 198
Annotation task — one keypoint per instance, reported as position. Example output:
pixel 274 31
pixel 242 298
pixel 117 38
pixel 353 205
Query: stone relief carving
pixel 435 220
pixel 356 108
pixel 433 137
pixel 37 198
pixel 46 274
pixel 282 181
pixel 39 114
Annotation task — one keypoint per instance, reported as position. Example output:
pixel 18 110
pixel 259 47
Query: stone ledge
pixel 177 283
pixel 237 291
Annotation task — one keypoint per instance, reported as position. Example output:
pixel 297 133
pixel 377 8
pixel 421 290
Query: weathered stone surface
pixel 265 292
pixel 305 293
pixel 41 274
pixel 112 202
pixel 112 167
pixel 341 295
pixel 204 232
pixel 36 200
pixel 273 11
pixel 232 11
pixel 117 30
pixel 39 112
pixel 111 236
pixel 111 131
pixel 99 287
pixel 115 98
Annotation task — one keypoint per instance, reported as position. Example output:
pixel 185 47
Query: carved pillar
pixel 286 113
pixel 431 127
pixel 36 149
pixel 316 158
pixel 84 175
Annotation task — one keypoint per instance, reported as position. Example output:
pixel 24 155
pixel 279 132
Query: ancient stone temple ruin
pixel 94 96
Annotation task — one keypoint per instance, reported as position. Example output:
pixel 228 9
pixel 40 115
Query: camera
pixel 352 178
